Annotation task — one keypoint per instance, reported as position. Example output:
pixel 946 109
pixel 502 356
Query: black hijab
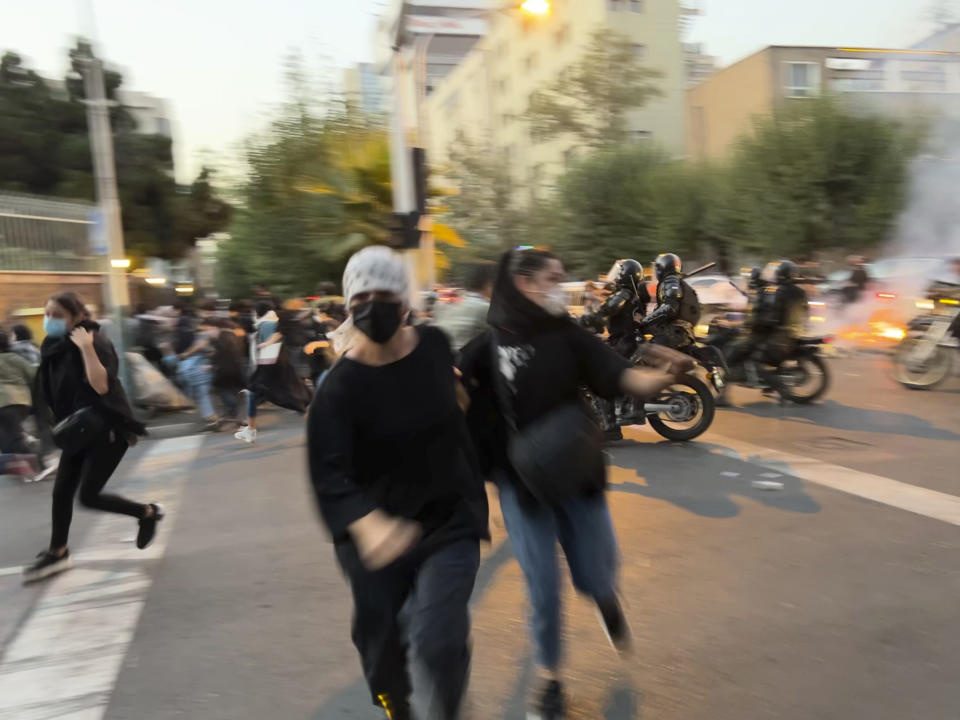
pixel 512 311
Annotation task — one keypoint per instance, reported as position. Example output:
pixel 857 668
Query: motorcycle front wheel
pixel 691 413
pixel 804 379
pixel 920 376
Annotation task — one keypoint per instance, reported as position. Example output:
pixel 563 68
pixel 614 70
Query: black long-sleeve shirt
pixel 393 437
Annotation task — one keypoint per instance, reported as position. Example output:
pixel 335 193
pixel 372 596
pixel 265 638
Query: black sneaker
pixel 614 624
pixel 549 703
pixel 47 564
pixel 148 526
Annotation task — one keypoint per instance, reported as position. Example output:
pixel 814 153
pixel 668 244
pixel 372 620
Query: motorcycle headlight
pixel 924 304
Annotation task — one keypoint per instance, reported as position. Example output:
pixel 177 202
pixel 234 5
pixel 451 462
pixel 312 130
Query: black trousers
pixel 11 429
pixel 88 471
pixel 420 601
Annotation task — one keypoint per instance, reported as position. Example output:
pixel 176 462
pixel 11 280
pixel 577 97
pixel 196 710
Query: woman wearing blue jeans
pixel 543 359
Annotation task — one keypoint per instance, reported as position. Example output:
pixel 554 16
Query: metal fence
pixel 47 235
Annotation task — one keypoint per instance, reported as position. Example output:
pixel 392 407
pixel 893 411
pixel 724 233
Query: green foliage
pixel 593 99
pixel 816 176
pixel 485 209
pixel 317 189
pixel 812 177
pixel 45 150
pixel 635 202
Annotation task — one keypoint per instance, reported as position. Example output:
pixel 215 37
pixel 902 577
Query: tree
pixel 317 189
pixel 607 208
pixel 45 150
pixel 593 99
pixel 815 175
pixel 483 209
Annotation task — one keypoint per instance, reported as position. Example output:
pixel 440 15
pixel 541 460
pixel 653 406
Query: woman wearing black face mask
pixel 395 480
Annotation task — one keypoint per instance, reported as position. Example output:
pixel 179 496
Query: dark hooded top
pixel 544 361
pixel 63 387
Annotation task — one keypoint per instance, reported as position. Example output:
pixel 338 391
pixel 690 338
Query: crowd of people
pixel 225 361
pixel 411 425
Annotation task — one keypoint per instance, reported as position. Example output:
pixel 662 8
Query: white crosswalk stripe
pixel 912 498
pixel 65 658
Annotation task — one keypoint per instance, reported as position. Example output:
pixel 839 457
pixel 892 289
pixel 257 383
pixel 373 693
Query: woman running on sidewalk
pixel 394 474
pixel 78 371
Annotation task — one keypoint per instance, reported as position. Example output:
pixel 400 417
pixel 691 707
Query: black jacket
pixel 544 360
pixel 63 388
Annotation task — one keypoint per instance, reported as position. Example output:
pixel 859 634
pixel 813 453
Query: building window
pixel 503 85
pixel 532 62
pixel 636 6
pixel 640 51
pixel 615 5
pixel 505 119
pixel 801 79
pixel 563 34
pixel 569 158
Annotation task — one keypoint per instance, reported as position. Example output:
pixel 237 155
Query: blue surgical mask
pixel 54 327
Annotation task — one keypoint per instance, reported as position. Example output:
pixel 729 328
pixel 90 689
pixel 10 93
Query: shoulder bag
pixel 79 430
pixel 557 456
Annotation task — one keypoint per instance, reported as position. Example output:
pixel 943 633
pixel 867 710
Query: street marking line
pixel 65 658
pixel 901 495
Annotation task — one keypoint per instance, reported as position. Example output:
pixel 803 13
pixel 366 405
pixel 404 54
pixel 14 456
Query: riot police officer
pixel 629 297
pixel 784 314
pixel 678 309
pixel 776 321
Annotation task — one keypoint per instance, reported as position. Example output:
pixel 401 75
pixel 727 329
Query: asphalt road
pixel 835 597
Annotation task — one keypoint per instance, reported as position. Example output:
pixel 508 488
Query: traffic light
pixel 405 230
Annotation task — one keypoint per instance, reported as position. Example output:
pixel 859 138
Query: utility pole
pixel 116 292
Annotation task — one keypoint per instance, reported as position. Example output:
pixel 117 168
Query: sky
pixel 220 63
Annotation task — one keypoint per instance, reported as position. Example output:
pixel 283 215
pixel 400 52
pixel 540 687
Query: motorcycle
pixel 681 412
pixel 803 376
pixel 923 359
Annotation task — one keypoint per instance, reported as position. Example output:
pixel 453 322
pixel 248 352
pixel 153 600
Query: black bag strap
pixel 501 391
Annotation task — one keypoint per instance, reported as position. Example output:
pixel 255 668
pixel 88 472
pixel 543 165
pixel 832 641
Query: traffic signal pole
pixel 116 292
pixel 401 163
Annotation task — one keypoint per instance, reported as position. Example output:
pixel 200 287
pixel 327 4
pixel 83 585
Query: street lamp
pixel 536 7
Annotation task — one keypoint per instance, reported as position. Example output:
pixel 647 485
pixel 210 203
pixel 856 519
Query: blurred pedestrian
pixel 545 453
pixel 24 346
pixel 79 387
pixel 145 333
pixel 859 279
pixel 195 371
pixel 463 321
pixel 392 467
pixel 274 378
pixel 229 368
pixel 16 381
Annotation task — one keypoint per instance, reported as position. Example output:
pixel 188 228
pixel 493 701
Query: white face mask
pixel 554 301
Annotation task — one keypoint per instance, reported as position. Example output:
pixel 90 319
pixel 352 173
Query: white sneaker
pixel 246 434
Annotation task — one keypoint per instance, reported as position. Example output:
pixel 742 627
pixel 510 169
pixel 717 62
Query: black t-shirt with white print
pixel 541 372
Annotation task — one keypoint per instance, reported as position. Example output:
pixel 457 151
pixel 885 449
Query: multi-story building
pixel 484 98
pixel 363 88
pixel 443 33
pixel 150 112
pixel 699 65
pixel 905 84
